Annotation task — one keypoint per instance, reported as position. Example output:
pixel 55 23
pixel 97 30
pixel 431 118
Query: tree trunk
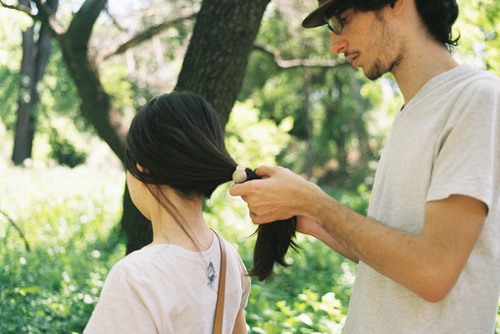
pixel 137 228
pixel 217 56
pixel 25 115
pixel 35 58
pixel 96 104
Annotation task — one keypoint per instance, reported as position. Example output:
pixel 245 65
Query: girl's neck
pixel 188 231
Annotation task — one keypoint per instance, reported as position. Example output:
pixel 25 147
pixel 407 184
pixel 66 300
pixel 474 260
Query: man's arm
pixel 311 227
pixel 428 263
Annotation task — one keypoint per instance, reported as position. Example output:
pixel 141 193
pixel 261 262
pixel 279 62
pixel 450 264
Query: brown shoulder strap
pixel 219 308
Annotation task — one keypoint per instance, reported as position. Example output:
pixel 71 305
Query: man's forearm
pixel 428 263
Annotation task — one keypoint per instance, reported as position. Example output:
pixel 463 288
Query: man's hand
pixel 280 194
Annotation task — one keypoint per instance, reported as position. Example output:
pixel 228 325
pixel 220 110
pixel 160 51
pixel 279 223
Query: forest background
pixel 73 74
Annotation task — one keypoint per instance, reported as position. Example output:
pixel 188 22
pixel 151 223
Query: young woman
pixel 175 158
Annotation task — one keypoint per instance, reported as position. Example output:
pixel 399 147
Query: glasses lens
pixel 334 24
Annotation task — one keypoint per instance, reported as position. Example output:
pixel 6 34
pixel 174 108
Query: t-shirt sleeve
pixel 246 284
pixel 120 308
pixel 467 161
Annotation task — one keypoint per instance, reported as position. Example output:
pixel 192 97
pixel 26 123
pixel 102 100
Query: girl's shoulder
pixel 137 261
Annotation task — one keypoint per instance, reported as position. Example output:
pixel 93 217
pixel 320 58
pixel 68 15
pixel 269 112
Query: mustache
pixel 351 53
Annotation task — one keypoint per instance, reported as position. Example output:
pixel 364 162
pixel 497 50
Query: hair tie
pixel 239 175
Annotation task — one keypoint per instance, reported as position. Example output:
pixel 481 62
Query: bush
pixel 70 228
pixel 64 152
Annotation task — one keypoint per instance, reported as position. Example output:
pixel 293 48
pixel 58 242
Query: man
pixel 429 248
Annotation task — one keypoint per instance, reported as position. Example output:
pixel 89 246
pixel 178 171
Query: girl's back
pixel 181 301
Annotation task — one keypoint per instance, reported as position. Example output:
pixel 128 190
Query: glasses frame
pixel 335 23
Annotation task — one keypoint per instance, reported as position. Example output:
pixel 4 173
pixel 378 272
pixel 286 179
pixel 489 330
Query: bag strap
pixel 219 308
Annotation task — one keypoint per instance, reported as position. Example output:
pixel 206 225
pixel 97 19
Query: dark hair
pixel 178 141
pixel 437 15
pixel 273 241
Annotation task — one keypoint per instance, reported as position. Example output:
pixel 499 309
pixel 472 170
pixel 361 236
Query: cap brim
pixel 317 18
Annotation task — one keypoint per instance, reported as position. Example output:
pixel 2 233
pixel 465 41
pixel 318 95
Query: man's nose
pixel 338 44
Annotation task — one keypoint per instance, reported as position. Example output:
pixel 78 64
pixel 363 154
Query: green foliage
pixel 479 29
pixel 10 60
pixel 116 84
pixel 252 141
pixel 58 96
pixel 8 96
pixel 64 151
pixel 311 295
pixel 69 219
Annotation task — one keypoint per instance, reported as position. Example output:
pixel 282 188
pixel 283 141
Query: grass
pixel 69 219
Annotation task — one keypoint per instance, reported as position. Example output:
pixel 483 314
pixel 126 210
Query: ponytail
pixel 273 241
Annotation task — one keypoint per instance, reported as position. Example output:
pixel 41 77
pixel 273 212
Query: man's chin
pixel 373 75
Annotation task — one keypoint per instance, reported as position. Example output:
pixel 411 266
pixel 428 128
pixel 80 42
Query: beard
pixel 390 55
pixel 378 68
pixel 376 71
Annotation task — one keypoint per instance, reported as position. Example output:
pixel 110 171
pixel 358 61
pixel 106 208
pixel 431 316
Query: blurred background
pixel 74 72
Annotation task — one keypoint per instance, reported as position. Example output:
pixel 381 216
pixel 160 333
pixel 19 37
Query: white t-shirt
pixel 445 141
pixel 167 289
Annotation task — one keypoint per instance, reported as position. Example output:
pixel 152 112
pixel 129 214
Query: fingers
pixel 262 219
pixel 264 171
pixel 239 189
pixel 253 217
pixel 262 195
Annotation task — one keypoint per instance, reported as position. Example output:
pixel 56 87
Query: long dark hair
pixel 178 141
pixel 273 241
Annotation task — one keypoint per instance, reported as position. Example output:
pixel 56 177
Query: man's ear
pixel 399 5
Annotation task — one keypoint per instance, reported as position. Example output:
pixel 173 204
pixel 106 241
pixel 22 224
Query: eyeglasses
pixel 335 23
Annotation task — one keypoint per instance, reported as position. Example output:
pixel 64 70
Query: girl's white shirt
pixel 165 288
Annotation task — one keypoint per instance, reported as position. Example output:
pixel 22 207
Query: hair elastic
pixel 239 174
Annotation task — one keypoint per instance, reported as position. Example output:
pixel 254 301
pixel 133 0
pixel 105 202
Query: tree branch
pixel 25 9
pixel 147 34
pixel 18 229
pixel 294 63
pixel 83 21
pixel 46 15
pixel 114 20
